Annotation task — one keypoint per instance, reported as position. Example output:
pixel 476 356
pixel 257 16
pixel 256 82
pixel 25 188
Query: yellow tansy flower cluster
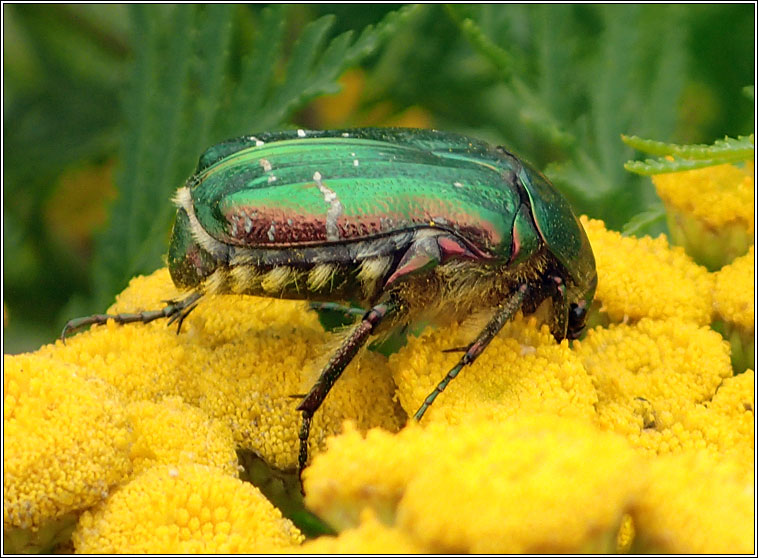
pixel 522 369
pixel 646 277
pixel 734 308
pixel 66 442
pixel 533 483
pixel 722 522
pixel 226 382
pixel 128 433
pixel 184 509
pixel 240 360
pixel 370 536
pixel 173 432
pixel 710 211
pixel 656 376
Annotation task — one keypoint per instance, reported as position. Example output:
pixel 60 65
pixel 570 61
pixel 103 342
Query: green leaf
pixel 650 167
pixel 258 66
pixel 727 148
pixel 499 57
pixel 314 69
pixel 675 158
pixel 650 221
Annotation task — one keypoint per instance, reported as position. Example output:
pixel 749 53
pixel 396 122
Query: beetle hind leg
pixel 175 310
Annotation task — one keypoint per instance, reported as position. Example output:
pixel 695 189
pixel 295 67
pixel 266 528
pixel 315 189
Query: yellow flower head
pixel 530 483
pixel 184 509
pixel 522 369
pixel 371 536
pixel 355 473
pixel 734 308
pixel 695 503
pixel 651 376
pixel 734 295
pixel 66 441
pixel 729 420
pixel 719 195
pixel 710 210
pixel 241 359
pixel 645 277
pixel 172 432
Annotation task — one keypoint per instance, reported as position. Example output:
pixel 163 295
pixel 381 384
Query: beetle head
pixel 581 282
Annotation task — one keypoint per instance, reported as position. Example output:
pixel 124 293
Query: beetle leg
pixel 333 316
pixel 507 309
pixel 423 254
pixel 175 310
pixel 332 372
pixel 336 307
pixel 455 350
pixel 182 310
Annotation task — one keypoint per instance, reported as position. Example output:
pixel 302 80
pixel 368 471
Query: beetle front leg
pixel 509 307
pixel 333 370
pixel 174 311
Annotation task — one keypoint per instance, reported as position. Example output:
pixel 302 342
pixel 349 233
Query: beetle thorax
pixel 457 289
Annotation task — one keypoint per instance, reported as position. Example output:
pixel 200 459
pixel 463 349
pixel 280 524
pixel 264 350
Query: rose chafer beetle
pixel 409 224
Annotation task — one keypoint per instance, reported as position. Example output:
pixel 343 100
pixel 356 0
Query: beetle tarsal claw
pixel 178 311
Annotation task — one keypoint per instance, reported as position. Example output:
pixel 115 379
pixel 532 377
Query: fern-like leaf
pixel 675 158
pixel 644 222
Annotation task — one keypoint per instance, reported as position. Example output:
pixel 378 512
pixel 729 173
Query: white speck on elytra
pixel 271 231
pixel 265 164
pixel 334 211
pixel 355 162
pixel 301 133
pixel 271 179
pixel 457 184
pixel 345 135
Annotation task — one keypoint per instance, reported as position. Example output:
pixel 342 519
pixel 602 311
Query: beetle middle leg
pixel 506 311
pixel 337 307
pixel 333 370
pixel 333 315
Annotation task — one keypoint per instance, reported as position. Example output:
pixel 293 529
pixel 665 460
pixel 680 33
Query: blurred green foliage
pixel 145 88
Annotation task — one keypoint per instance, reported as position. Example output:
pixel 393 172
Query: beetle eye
pixel 577 316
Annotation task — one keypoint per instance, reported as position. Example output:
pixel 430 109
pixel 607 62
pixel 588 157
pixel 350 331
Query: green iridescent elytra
pixel 408 224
